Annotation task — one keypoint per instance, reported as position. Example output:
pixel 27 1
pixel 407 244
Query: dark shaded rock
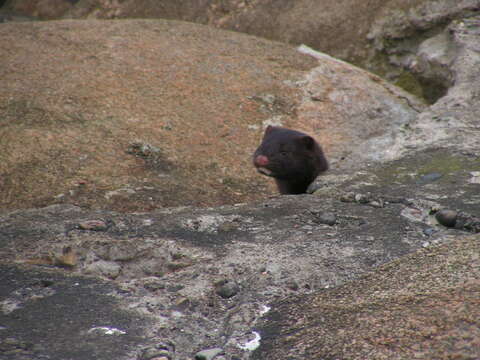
pixel 154 285
pixel 327 218
pixel 208 354
pixel 292 285
pixel 94 225
pixel 429 231
pixel 467 222
pixel 446 217
pixel 67 314
pixel 425 179
pixel 163 351
pixel 227 289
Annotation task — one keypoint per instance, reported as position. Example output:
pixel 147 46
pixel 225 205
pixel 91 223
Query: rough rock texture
pixel 173 261
pixel 359 269
pixel 425 305
pixel 137 115
pixel 414 48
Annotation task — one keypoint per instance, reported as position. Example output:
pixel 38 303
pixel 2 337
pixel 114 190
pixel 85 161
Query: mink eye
pixel 283 153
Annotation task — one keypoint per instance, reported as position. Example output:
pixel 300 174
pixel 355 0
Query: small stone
pixel 175 288
pixel 228 289
pixel 314 187
pixel 154 285
pixel 46 282
pixel 292 285
pixel 67 259
pixel 208 354
pixel 429 178
pixel 429 231
pixel 348 197
pixel 362 198
pixel 446 217
pixel 376 203
pixel 93 225
pixel 181 304
pixel 228 226
pixel 153 267
pixel 175 266
pixel 108 269
pixel 327 218
pixel 161 351
pixel 121 252
pixel 11 341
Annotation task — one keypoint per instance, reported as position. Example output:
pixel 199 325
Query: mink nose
pixel 261 160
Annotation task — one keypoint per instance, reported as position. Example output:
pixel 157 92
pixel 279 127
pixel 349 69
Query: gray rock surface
pixel 48 314
pixel 265 248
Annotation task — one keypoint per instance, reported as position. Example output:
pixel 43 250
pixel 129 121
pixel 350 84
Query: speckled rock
pixel 109 269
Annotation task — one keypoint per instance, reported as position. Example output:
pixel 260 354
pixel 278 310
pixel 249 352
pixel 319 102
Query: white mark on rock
pixel 273 121
pixel 118 192
pixel 265 309
pixel 414 214
pixel 106 330
pixel 209 223
pixel 475 179
pixel 7 306
pixel 252 344
pixel 304 49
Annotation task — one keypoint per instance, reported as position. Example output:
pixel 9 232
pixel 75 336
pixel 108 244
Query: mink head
pixel 289 155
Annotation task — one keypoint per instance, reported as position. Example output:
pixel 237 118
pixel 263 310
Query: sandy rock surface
pixel 139 115
pixel 392 38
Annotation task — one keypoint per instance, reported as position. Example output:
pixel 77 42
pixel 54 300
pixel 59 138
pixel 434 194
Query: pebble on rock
pixel 93 225
pixel 108 269
pixel 429 231
pixel 227 289
pixel 446 217
pixel 425 179
pixel 327 218
pixel 160 351
pixel 208 354
pixel 292 285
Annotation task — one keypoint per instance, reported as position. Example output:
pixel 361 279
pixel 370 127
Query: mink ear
pixel 269 129
pixel 308 142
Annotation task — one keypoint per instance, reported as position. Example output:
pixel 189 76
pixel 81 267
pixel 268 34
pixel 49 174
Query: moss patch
pixel 408 82
pixel 410 169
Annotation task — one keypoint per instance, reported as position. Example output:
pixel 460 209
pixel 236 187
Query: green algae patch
pixel 449 167
pixel 408 82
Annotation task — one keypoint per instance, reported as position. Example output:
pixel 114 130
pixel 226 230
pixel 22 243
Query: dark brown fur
pixel 292 158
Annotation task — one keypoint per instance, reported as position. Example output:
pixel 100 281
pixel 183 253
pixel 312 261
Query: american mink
pixel 291 157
